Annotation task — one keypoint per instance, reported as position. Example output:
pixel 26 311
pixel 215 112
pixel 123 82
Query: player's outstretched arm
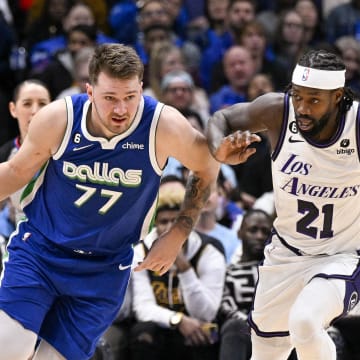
pixel 45 134
pixel 177 138
pixel 230 131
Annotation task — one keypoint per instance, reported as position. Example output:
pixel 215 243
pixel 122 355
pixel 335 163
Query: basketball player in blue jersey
pixel 310 275
pixel 92 164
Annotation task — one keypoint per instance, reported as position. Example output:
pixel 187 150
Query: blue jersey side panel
pixel 96 197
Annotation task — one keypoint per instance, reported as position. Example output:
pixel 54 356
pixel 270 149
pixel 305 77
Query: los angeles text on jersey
pixel 293 185
pixel 100 173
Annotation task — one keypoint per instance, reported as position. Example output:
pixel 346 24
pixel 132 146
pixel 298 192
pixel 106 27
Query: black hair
pixel 324 60
pixel 321 60
pixel 250 212
pixel 191 113
pixel 26 82
pixel 252 2
pixel 90 31
pixel 152 27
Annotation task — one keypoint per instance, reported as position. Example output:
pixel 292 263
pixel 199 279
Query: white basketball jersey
pixel 317 187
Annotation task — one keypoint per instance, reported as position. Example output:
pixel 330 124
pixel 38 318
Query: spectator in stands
pixel 313 29
pixel 167 57
pixel 267 15
pixel 154 15
pixel 179 16
pixel 260 84
pixel 253 38
pixel 209 30
pixel 239 69
pixel 28 98
pixel 178 89
pixel 289 42
pixel 79 14
pixel 230 209
pixel 215 11
pixel 15 14
pixel 152 12
pixel 164 58
pixel 238 13
pixel 239 288
pixel 208 224
pixel 349 49
pixel 153 36
pixel 59 74
pixel 81 72
pixel 254 176
pixel 45 20
pixel 122 22
pixel 343 19
pixel 174 167
pixel 8 77
pixel 175 311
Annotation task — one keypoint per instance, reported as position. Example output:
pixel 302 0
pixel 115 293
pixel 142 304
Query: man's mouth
pixel 305 124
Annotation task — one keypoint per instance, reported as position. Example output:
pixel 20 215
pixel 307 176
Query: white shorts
pixel 284 274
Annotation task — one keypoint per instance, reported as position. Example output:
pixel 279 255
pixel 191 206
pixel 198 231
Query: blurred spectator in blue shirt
pixel 349 49
pixel 239 69
pixel 238 13
pixel 79 14
pixel 123 23
pixel 343 19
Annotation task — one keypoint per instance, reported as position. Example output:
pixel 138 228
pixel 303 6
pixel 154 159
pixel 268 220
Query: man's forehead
pixel 309 90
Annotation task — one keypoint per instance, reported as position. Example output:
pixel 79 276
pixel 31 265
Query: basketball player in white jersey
pixel 310 275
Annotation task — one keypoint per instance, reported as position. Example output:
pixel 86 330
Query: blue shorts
pixel 68 299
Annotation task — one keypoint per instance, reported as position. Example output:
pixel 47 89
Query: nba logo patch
pixel 306 74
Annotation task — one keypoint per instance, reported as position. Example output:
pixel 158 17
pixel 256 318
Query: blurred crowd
pixel 199 56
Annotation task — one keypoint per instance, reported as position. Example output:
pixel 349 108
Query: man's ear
pixel 89 91
pixel 339 93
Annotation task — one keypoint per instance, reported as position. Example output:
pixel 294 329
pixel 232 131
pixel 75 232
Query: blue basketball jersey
pixel 97 196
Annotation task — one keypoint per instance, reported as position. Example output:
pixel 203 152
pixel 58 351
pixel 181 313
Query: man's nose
pixel 120 108
pixel 303 108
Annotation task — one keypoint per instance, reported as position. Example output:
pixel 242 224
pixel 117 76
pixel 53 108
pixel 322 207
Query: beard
pixel 318 125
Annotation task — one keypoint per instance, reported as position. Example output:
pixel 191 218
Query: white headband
pixel 318 79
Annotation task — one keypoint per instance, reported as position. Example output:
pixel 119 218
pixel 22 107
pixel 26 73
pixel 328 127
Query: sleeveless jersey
pixel 317 187
pixel 96 196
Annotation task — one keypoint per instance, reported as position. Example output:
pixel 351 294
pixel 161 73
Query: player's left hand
pixel 162 254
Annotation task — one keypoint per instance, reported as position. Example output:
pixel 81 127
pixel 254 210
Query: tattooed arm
pixel 177 138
